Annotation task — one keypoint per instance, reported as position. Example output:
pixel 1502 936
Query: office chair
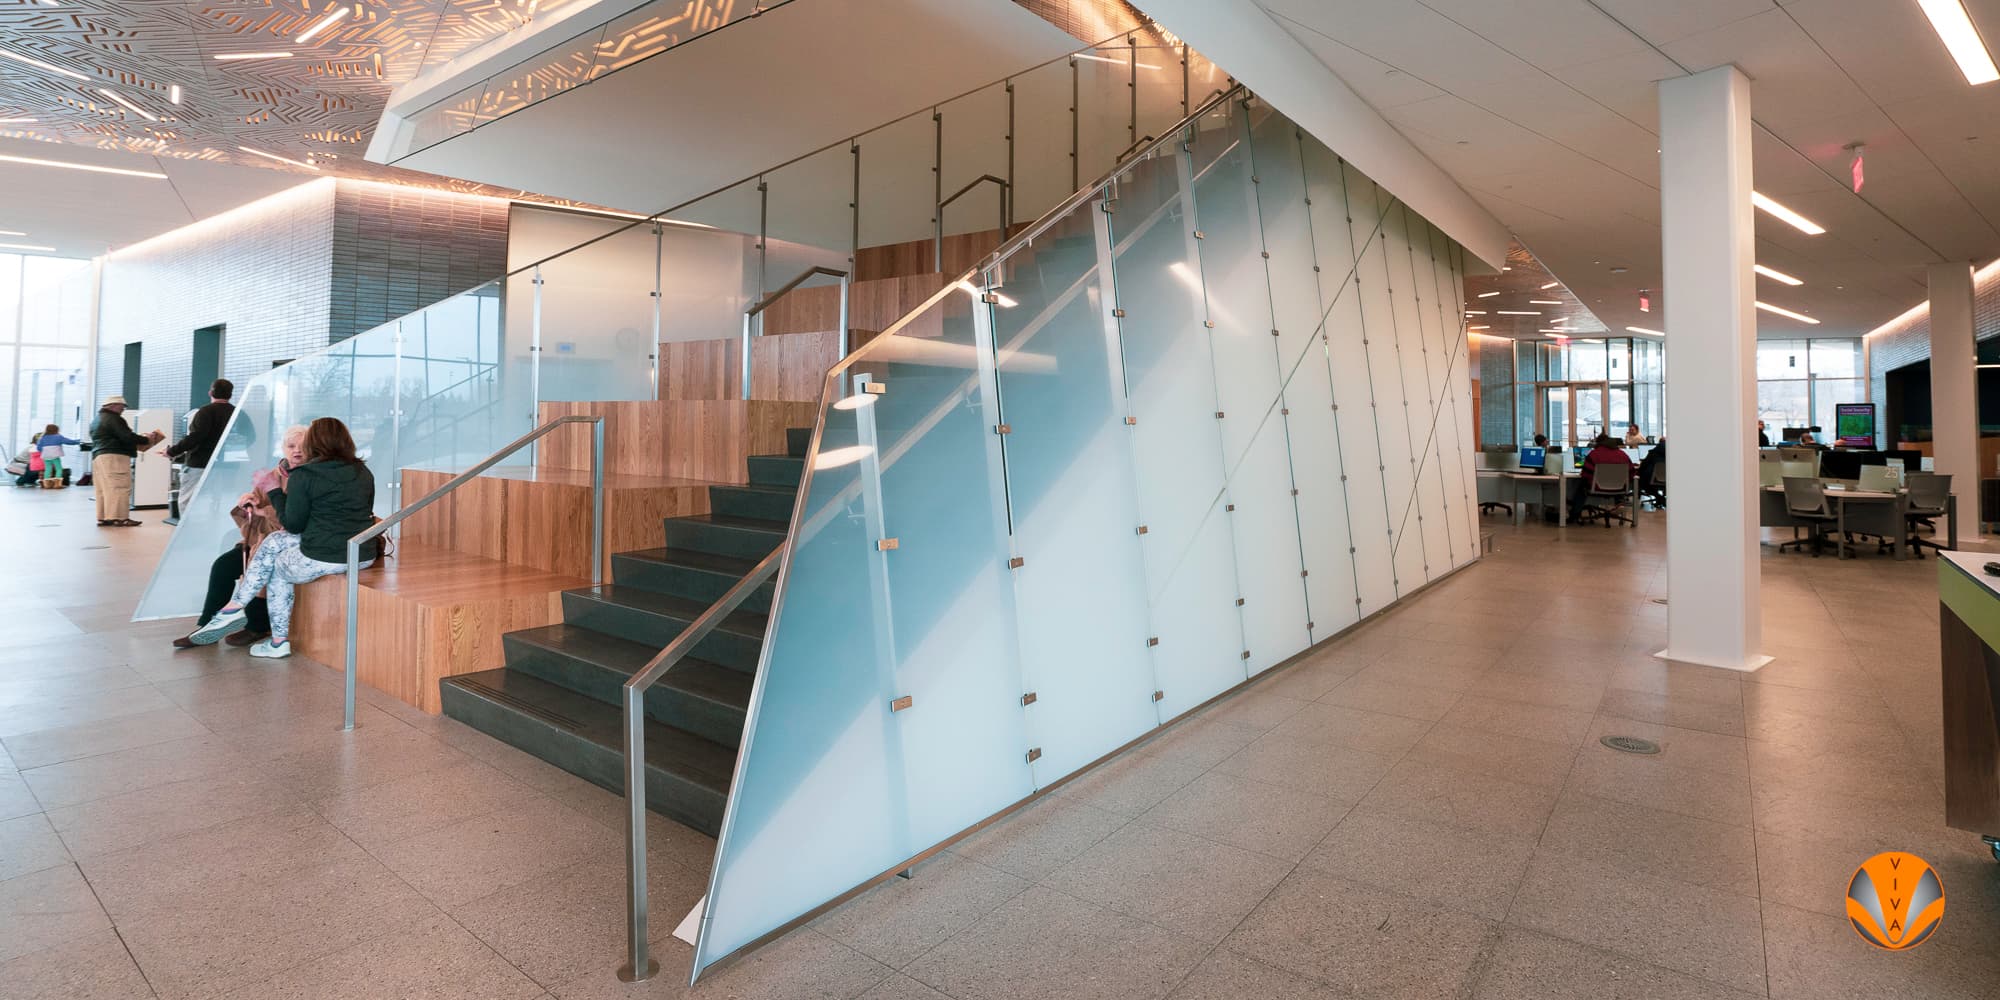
pixel 1495 505
pixel 1610 495
pixel 1654 490
pixel 1929 497
pixel 1805 500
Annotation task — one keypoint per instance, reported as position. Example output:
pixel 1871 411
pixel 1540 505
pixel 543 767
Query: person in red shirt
pixel 1603 451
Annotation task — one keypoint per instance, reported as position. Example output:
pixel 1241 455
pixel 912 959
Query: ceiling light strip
pixel 1961 39
pixel 324 23
pixel 1550 285
pixel 25 246
pixel 1794 219
pixel 37 63
pixel 1515 312
pixel 174 94
pixel 1487 295
pixel 280 159
pixel 242 56
pixel 93 168
pixel 1545 302
pixel 1649 333
pixel 17 121
pixel 128 105
pixel 1787 313
pixel 1776 275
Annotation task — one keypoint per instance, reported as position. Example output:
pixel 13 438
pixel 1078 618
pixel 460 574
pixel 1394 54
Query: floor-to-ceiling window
pixel 1579 386
pixel 44 346
pixel 1800 381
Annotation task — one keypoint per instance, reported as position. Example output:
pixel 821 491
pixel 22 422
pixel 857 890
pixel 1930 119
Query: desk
pixel 1869 512
pixel 1969 659
pixel 1514 488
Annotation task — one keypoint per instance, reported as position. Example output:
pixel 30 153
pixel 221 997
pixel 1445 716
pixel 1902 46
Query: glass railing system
pixel 1205 413
pixel 447 385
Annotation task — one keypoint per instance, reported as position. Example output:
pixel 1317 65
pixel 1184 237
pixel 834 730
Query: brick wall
pixel 1898 344
pixel 288 275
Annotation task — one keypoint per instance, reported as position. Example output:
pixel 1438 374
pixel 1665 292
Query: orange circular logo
pixel 1895 900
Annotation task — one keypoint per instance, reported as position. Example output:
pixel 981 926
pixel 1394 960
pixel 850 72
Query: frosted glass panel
pixel 1200 654
pixel 1081 589
pixel 1368 207
pixel 1414 547
pixel 832 784
pixel 597 319
pixel 1296 306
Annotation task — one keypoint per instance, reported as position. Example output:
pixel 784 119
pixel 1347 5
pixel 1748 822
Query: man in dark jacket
pixel 114 446
pixel 205 430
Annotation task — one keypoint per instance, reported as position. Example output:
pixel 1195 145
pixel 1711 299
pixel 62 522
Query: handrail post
pixel 746 354
pixel 597 501
pixel 846 282
pixel 638 966
pixel 353 628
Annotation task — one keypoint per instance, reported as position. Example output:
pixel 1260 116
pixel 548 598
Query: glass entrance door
pixel 1573 413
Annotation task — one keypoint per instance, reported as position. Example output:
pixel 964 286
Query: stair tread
pixel 591 646
pixel 677 751
pixel 741 622
pixel 790 491
pixel 693 559
pixel 741 523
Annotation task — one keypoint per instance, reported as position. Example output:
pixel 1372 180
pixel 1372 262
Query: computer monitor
pixel 1912 460
pixel 1854 424
pixel 1791 435
pixel 1841 464
pixel 1533 457
pixel 1796 453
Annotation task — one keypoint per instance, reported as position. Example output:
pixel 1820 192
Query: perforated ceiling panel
pixel 160 78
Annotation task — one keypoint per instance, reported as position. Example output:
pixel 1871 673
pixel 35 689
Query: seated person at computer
pixel 1763 439
pixel 1541 440
pixel 1603 451
pixel 1649 468
pixel 1634 437
pixel 1806 438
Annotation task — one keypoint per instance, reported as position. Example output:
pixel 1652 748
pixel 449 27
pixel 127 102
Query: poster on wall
pixel 1854 425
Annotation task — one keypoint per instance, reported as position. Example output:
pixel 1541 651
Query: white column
pixel 1707 238
pixel 1955 391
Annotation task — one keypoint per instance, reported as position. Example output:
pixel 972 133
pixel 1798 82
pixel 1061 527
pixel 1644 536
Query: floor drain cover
pixel 1630 744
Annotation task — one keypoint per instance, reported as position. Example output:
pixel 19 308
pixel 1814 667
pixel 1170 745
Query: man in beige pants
pixel 114 447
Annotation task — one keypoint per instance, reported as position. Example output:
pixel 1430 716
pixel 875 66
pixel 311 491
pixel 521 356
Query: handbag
pixel 255 520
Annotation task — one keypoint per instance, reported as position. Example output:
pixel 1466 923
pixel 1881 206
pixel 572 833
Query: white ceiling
pixel 1545 111
pixel 83 214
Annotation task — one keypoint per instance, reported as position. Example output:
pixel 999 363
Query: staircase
pixel 560 696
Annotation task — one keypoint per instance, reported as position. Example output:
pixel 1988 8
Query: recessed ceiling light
pixel 1797 221
pixel 1801 317
pixel 38 64
pixel 174 94
pixel 1514 312
pixel 1550 285
pixel 1641 329
pixel 93 168
pixel 24 246
pixel 1961 39
pixel 128 105
pixel 1776 275
pixel 274 156
pixel 322 24
pixel 1545 302
pixel 239 56
pixel 1487 295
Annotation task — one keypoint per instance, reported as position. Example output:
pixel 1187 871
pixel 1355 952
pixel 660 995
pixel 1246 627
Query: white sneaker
pixel 224 623
pixel 270 651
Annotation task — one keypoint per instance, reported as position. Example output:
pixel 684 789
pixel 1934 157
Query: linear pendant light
pixel 1794 219
pixel 1780 310
pixel 1776 275
pixel 38 64
pixel 1641 329
pixel 324 23
pixel 241 56
pixel 128 105
pixel 1961 39
pixel 93 168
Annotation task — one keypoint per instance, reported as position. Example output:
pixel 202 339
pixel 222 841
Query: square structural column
pixel 1708 237
pixel 1955 391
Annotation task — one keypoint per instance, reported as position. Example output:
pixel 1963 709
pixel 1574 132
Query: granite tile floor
pixel 1420 808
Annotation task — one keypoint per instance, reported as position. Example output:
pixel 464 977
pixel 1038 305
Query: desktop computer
pixel 1534 459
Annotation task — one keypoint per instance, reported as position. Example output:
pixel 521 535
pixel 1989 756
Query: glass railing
pixel 597 319
pixel 1200 417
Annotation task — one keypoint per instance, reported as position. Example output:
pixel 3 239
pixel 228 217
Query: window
pixel 44 346
pixel 1799 382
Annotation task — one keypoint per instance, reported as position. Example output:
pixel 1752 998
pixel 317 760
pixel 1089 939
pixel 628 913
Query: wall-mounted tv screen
pixel 1854 424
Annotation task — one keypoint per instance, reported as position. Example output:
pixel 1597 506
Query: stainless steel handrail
pixel 1006 196
pixel 846 281
pixel 1129 150
pixel 638 966
pixel 382 527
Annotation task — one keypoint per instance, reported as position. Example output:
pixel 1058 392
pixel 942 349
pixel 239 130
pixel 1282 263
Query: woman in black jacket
pixel 320 504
